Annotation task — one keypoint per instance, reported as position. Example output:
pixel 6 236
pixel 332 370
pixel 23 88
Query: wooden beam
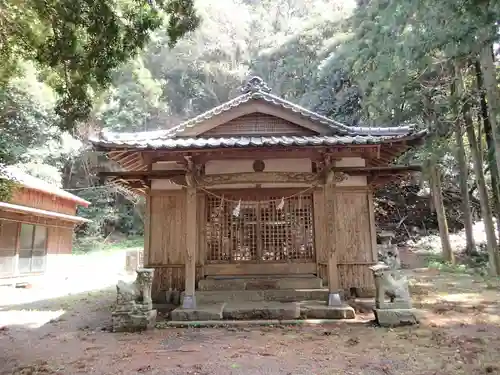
pixel 203 156
pixel 189 301
pixel 311 152
pixel 137 184
pixel 257 178
pixel 130 163
pixel 141 175
pixel 116 154
pixel 379 170
pixel 123 160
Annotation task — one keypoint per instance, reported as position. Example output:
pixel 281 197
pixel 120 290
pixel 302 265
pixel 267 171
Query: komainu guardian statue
pixel 398 310
pixel 134 306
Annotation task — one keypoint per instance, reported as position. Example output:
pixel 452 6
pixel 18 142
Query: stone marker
pixel 399 310
pixel 134 306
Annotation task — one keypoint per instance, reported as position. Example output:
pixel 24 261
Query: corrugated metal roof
pixel 34 183
pixel 36 211
pixel 236 142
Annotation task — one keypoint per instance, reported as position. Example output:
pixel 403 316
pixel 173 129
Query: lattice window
pixel 261 232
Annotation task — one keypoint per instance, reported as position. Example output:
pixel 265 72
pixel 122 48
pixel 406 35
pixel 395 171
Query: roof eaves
pixel 256 141
pixel 37 211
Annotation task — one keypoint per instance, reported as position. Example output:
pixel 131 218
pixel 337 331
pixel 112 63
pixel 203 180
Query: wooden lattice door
pixel 263 231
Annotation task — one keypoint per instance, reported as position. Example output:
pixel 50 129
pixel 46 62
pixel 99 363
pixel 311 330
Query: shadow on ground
pixel 459 335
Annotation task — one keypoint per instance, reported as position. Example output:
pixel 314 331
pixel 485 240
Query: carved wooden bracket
pixel 193 171
pixel 335 177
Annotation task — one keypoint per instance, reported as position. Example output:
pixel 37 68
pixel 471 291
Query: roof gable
pixel 33 183
pixel 256 97
pixel 255 108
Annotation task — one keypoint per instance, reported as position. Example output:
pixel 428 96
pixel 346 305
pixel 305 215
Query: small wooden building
pixel 259 186
pixel 36 227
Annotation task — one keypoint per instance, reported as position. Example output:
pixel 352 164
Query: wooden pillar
pixel 373 227
pixel 331 240
pixel 147 231
pixel 189 301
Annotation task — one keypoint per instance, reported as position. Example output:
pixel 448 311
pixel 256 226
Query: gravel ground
pixel 61 328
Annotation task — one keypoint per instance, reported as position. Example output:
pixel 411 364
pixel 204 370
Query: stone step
pixel 260 283
pixel 263 310
pixel 277 295
pixel 249 276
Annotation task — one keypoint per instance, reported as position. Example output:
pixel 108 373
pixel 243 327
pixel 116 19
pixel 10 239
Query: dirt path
pixel 460 334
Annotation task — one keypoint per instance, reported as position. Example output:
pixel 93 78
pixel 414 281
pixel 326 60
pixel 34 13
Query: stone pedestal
pixel 129 322
pixel 334 300
pixel 134 306
pixel 395 317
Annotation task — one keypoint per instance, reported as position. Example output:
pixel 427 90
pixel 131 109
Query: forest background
pixel 71 68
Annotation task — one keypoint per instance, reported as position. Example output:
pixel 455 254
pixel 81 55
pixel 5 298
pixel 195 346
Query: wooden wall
pixel 167 228
pixel 9 232
pixel 167 239
pixel 38 199
pixel 355 239
pixel 59 238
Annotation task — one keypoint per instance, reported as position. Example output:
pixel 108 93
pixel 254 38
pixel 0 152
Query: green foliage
pixel 109 212
pixel 437 262
pixel 80 43
pixel 90 244
pixel 7 187
pixel 28 135
pixel 476 264
pixel 134 101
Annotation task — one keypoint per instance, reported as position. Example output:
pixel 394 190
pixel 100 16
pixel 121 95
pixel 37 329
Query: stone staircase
pixel 261 297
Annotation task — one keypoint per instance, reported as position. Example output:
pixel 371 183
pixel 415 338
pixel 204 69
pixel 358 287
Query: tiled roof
pixel 34 183
pixel 335 126
pixel 241 141
pixel 255 89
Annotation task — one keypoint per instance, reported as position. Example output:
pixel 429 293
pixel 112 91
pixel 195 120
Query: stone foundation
pixel 395 317
pixel 320 310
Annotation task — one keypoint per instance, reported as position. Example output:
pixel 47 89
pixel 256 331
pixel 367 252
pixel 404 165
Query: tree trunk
pixel 490 143
pixel 464 189
pixel 491 89
pixel 437 196
pixel 491 242
pixel 463 176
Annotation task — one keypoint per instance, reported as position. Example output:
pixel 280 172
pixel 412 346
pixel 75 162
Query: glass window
pixel 40 239
pixel 32 248
pixel 26 237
